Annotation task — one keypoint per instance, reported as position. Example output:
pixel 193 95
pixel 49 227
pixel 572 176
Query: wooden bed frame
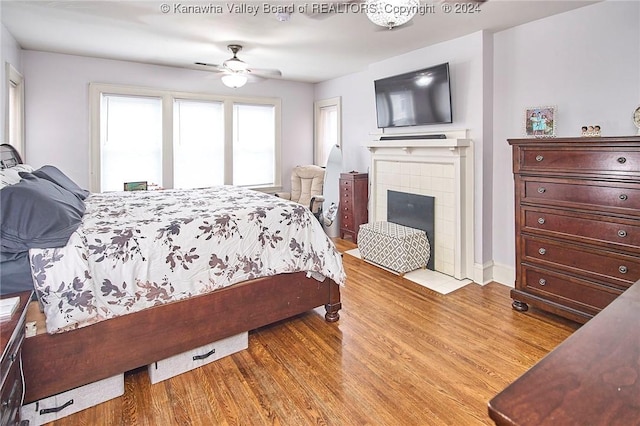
pixel 55 363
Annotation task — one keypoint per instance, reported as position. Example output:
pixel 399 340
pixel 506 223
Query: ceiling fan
pixel 235 73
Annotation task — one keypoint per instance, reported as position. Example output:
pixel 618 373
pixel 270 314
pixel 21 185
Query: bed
pixel 111 305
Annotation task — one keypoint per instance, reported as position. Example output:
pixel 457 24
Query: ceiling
pixel 310 47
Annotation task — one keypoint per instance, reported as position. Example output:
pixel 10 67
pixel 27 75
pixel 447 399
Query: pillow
pixel 11 176
pixel 54 175
pixel 37 213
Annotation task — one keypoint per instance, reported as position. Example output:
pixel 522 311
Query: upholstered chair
pixel 307 183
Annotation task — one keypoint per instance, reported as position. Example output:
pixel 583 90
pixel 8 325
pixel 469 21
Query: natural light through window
pixel 15 113
pixel 131 148
pixel 182 140
pixel 253 145
pixel 327 129
pixel 198 144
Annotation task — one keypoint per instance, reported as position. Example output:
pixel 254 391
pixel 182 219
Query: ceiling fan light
pixel 234 80
pixel 391 13
pixel 235 64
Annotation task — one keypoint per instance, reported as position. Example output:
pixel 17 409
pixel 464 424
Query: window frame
pixel 97 90
pixel 14 78
pixel 317 130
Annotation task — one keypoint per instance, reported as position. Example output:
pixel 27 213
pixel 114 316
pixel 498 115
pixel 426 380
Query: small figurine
pixel 590 131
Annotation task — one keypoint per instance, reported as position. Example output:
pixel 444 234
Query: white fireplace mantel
pixel 442 168
pixel 413 144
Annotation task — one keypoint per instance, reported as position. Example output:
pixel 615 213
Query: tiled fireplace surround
pixel 441 168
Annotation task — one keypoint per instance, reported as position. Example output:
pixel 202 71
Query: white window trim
pixel 96 90
pixel 317 106
pixel 14 77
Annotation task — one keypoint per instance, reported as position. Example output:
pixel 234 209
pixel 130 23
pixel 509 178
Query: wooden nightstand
pixel 354 199
pixel 12 334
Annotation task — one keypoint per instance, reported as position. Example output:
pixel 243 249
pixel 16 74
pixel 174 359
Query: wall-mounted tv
pixel 415 98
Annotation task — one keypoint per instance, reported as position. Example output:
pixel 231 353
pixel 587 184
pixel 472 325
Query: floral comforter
pixel 134 250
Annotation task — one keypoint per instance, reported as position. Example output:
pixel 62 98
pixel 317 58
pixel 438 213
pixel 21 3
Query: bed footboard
pixel 59 362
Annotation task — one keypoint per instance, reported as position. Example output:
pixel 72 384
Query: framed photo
pixel 540 122
pixel 135 186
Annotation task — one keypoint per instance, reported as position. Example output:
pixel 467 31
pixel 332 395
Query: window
pixel 327 125
pixel 198 143
pixel 131 141
pixel 14 125
pixel 182 140
pixel 253 145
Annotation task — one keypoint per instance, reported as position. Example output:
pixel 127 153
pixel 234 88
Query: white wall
pixel 587 63
pixel 12 54
pixel 57 106
pixel 467 57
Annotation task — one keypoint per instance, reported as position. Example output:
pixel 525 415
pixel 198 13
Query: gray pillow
pixel 37 213
pixel 53 174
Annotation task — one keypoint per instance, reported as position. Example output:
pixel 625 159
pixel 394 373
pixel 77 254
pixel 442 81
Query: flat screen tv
pixel 415 98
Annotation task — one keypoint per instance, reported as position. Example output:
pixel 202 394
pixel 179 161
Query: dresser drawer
pixel 346 220
pixel 587 194
pixel 593 229
pixel 566 290
pixel 346 189
pixel 600 265
pixel 581 160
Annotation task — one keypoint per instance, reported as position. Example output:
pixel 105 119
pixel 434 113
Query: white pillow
pixel 11 177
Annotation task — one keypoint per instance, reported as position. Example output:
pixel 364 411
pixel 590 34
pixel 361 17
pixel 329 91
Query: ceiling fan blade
pixel 265 72
pixel 208 67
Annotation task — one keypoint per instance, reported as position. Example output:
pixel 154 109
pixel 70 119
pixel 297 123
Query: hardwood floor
pixel 400 354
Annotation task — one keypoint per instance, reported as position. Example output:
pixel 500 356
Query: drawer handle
pixel 204 356
pixel 622 233
pixel 539 158
pixel 56 409
pixel 542 281
pixel 541 220
pixel 622 160
pixel 623 269
pixel 623 197
pixel 542 251
pixel 541 190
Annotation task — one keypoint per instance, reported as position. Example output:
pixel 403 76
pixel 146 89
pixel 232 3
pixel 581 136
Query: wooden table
pixel 592 378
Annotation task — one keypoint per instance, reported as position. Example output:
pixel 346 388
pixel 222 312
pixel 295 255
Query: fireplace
pixel 414 211
pixel 440 168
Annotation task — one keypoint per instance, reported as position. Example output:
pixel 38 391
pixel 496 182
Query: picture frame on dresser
pixel 540 121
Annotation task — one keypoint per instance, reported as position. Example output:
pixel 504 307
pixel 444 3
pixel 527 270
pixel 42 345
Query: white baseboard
pixel 490 271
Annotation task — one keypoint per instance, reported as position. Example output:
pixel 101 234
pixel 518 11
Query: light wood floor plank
pixel 400 354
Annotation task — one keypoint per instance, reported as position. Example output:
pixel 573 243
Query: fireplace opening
pixel 415 211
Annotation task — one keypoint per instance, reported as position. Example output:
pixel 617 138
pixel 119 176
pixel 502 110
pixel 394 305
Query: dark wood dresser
pixel 12 334
pixel 354 200
pixel 577 223
pixel 592 378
